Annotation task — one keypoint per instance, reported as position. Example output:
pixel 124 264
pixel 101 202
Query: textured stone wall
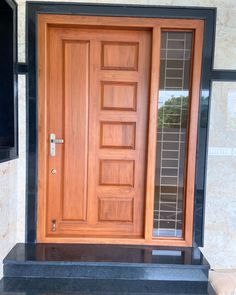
pixel 220 216
pixel 220 233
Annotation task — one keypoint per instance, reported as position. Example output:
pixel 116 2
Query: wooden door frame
pixel 155 25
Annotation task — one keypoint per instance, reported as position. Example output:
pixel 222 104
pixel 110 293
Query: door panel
pixel 118 135
pixel 120 56
pixel 97 98
pixel 119 96
pixel 117 172
pixel 75 116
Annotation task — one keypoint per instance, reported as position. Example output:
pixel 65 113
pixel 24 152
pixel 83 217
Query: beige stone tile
pixel 21 169
pixel 220 214
pixel 8 208
pixel 21 32
pixel 223 115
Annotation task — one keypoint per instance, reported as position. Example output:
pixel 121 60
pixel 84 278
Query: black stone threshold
pixel 106 262
pixel 29 286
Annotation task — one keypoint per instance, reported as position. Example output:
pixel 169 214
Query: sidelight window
pixel 172 133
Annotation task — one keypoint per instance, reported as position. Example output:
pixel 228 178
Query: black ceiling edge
pixel 132 5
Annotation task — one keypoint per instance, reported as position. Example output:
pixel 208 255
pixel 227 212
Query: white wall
pixel 220 233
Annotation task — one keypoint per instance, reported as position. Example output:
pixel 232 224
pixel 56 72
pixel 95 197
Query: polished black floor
pixel 46 269
pixel 106 262
pixel 107 254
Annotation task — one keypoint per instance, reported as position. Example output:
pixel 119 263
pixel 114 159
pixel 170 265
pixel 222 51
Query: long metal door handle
pixel 53 142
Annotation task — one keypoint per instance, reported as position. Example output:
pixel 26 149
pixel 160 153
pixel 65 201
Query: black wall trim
pixel 223 75
pixel 9 81
pixel 22 68
pixel 11 3
pixel 208 14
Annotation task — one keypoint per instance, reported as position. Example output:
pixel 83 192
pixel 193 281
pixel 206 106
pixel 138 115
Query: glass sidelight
pixel 172 133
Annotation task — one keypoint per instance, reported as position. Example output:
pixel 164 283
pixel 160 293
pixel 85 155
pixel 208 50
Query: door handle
pixel 53 142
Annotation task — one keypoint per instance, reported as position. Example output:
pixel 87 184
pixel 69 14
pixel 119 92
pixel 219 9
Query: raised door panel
pixel 76 77
pixel 117 172
pixel 118 135
pixel 116 209
pixel 118 55
pixel 119 96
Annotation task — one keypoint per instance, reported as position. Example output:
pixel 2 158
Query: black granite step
pixel 106 262
pixel 29 286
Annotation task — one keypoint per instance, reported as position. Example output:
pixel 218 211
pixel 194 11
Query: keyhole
pixel 53 171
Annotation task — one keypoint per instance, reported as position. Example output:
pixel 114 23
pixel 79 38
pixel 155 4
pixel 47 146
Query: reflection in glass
pixel 173 112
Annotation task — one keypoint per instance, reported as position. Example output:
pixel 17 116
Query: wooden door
pixel 96 100
pixel 98 90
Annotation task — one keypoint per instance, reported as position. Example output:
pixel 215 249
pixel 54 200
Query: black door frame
pixel 208 75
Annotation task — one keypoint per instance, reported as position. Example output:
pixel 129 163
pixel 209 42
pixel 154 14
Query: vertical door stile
pixel 93 131
pixel 151 156
pixel 193 129
pixel 42 130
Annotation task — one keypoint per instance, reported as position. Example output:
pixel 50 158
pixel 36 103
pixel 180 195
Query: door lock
pixel 54 226
pixel 53 142
pixel 53 171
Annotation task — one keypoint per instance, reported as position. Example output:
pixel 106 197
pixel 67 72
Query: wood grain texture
pixel 106 103
pixel 96 166
pixel 75 117
pixel 117 172
pixel 117 209
pixel 118 162
pixel 118 135
pixel 120 22
pixel 42 132
pixel 122 56
pixel 119 96
pixel 193 131
pixel 153 113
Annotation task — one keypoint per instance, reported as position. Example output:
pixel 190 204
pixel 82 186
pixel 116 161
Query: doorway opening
pixel 118 102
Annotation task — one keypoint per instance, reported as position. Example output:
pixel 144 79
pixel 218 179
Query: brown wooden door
pixel 97 98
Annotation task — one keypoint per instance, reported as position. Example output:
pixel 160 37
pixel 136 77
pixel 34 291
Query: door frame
pixel 155 25
pixel 33 10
